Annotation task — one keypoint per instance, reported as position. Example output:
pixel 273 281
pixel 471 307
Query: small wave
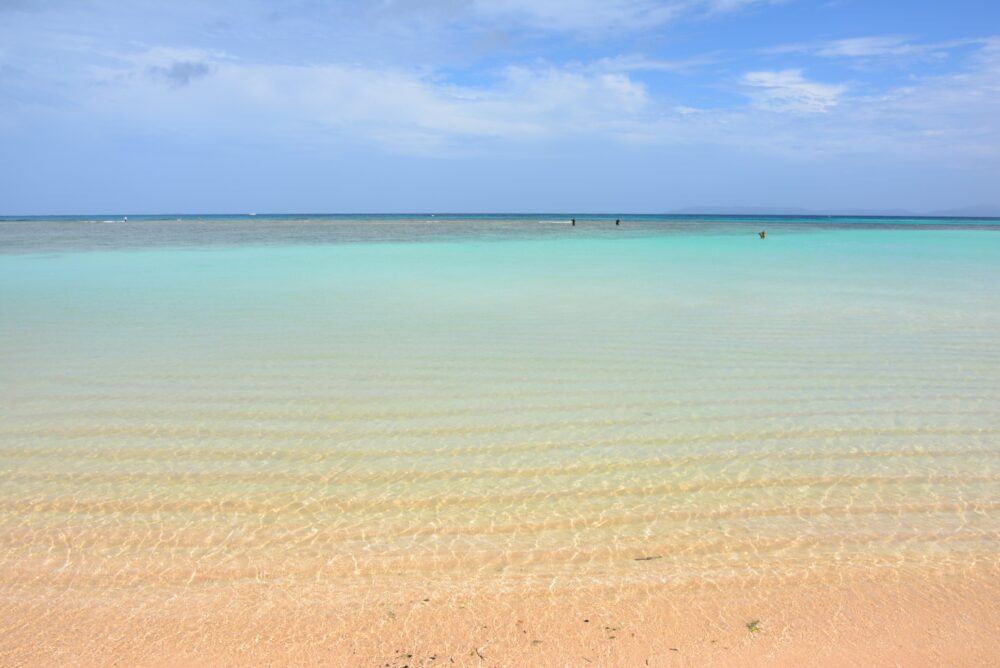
pixel 555 222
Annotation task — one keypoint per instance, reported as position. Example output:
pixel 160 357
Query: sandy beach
pixel 880 617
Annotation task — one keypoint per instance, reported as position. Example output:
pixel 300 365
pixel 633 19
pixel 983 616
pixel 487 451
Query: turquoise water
pixel 505 399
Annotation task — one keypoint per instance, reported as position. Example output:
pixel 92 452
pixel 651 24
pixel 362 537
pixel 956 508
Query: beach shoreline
pixel 909 616
pixel 460 450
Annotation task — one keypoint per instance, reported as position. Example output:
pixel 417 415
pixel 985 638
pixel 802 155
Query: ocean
pixel 509 403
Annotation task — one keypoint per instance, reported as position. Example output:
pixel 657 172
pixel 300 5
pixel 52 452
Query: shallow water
pixel 355 401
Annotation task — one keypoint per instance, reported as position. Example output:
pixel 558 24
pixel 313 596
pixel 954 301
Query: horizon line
pixel 699 213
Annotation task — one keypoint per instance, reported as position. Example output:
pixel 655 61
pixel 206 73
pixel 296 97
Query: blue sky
pixel 143 106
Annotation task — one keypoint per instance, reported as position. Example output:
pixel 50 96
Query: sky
pixel 629 106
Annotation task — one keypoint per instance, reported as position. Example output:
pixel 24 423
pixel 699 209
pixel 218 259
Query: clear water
pixel 348 399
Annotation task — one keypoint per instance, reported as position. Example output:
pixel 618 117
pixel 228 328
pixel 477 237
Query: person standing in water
pixel 573 222
pixel 618 221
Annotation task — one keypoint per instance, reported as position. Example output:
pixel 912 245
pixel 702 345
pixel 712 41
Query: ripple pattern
pixel 685 408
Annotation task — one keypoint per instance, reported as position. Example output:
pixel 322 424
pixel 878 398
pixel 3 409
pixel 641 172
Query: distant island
pixel 975 211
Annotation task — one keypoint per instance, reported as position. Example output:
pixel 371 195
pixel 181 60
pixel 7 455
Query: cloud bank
pixel 571 83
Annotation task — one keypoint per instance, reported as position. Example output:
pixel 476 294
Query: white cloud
pixel 600 16
pixel 402 110
pixel 787 90
pixel 639 63
pixel 878 48
pixel 862 47
pixel 948 118
pixel 224 98
pixel 954 113
pixel 580 15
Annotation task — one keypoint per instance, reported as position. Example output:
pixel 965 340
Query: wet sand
pixel 913 616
